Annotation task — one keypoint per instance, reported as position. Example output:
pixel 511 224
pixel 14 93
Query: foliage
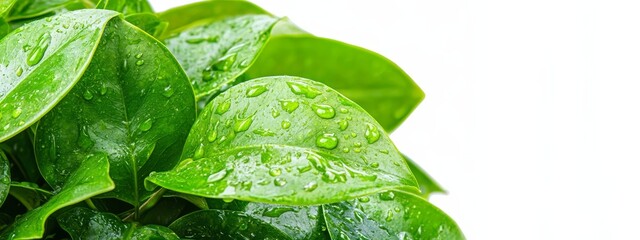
pixel 210 120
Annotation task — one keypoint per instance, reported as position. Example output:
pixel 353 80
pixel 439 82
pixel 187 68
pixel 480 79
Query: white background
pixel 531 120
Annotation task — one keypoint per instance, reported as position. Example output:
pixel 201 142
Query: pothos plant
pixel 215 120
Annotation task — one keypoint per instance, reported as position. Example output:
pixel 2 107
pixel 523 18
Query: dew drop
pixel 303 89
pixel 327 141
pixel 363 199
pixel 19 71
pixel 194 40
pixel 224 63
pixel 387 196
pixel 139 55
pixel 146 125
pixel 310 186
pixel 217 176
pixel 199 152
pixel 374 165
pixel 255 91
pixel 274 172
pixel 213 134
pixel 223 107
pixel 345 150
pixel 344 110
pixel 168 91
pixel 289 105
pixel 37 53
pixel 323 111
pixel 16 113
pixel 274 113
pixel 276 211
pixel 344 124
pixel 242 125
pixel 264 132
pixel 372 134
pixel 140 62
pixel 87 95
pixel 389 215
pixel 286 124
pixel 279 182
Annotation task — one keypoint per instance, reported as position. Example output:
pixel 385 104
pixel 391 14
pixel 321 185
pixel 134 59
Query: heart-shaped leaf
pixel 426 182
pixel 5 177
pixel 91 178
pixel 51 59
pixel 214 55
pixel 205 12
pixel 83 223
pixel 369 79
pixel 286 140
pixel 134 102
pixel 224 224
pixel 389 215
pixel 298 222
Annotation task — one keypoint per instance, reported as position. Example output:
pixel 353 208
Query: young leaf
pixel 426 182
pixel 24 9
pixel 91 178
pixel 134 102
pixel 29 194
pixel 369 79
pixel 83 223
pixel 40 63
pixel 298 222
pixel 224 224
pixel 389 215
pixel 5 177
pixel 205 12
pixel 214 55
pixel 286 140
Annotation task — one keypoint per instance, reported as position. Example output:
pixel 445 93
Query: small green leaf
pixel 5 177
pixel 298 222
pixel 83 223
pixel 205 12
pixel 148 22
pixel 426 182
pixel 24 9
pixel 286 140
pixel 5 28
pixel 20 150
pixel 224 224
pixel 5 7
pixel 40 63
pixel 134 103
pixel 369 79
pixel 214 55
pixel 389 215
pixel 90 179
pixel 126 6
pixel 29 194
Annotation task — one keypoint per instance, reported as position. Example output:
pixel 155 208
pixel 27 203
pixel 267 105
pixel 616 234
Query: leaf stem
pixel 90 204
pixel 153 199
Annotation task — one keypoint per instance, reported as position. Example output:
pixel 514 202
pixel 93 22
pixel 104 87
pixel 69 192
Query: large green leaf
pixel 126 6
pixel 426 182
pixel 33 8
pixel 224 224
pixel 214 55
pixel 83 223
pixel 286 140
pixel 389 215
pixel 91 178
pixel 298 222
pixel 5 177
pixel 40 63
pixel 134 102
pixel 369 79
pixel 5 7
pixel 148 22
pixel 205 12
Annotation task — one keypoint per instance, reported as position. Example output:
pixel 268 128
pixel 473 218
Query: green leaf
pixel 369 79
pixel 5 7
pixel 148 22
pixel 20 149
pixel 83 223
pixel 24 9
pixel 90 179
pixel 286 140
pixel 426 182
pixel 5 177
pixel 214 55
pixel 40 63
pixel 389 215
pixel 5 28
pixel 29 194
pixel 126 6
pixel 298 222
pixel 205 12
pixel 134 103
pixel 224 224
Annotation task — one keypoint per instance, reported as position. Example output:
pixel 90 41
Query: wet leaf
pixel 224 224
pixel 148 22
pixel 20 149
pixel 427 185
pixel 83 223
pixel 24 9
pixel 29 194
pixel 215 54
pixel 389 215
pixel 5 177
pixel 369 79
pixel 134 103
pixel 90 179
pixel 39 65
pixel 126 6
pixel 286 140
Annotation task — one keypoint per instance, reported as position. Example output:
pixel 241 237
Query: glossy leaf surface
pixel 148 22
pixel 5 177
pixel 369 79
pixel 298 222
pixel 426 182
pixel 286 140
pixel 5 7
pixel 20 149
pixel 133 103
pixel 205 12
pixel 214 55
pixel 126 6
pixel 41 62
pixel 389 215
pixel 83 223
pixel 29 194
pixel 224 224
pixel 34 8
pixel 91 178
